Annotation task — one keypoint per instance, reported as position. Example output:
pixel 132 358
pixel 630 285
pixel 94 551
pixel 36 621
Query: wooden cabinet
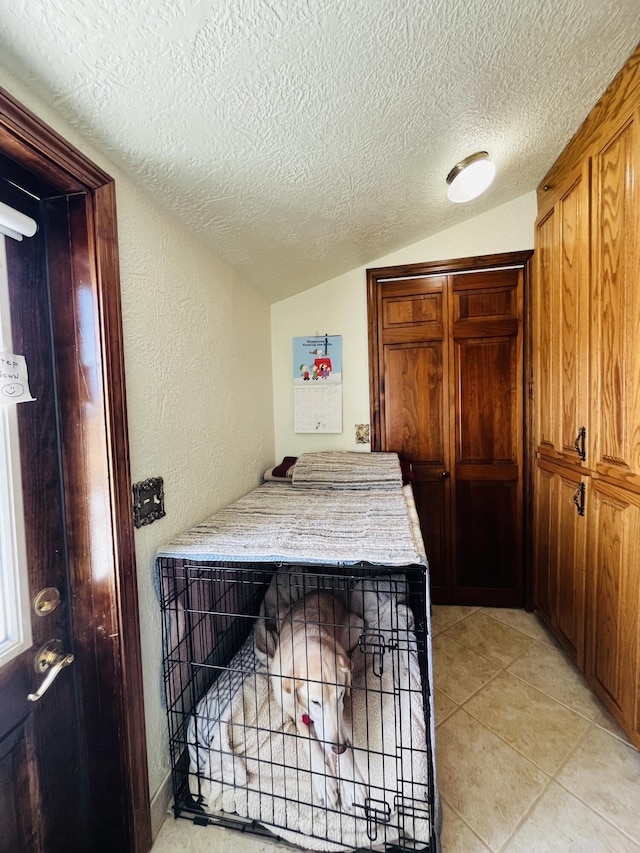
pixel 616 303
pixel 448 394
pixel 586 373
pixel 559 541
pixel 613 646
pixel 560 310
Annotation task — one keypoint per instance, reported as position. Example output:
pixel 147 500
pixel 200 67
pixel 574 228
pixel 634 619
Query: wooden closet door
pixel 414 410
pixel 486 399
pixel 447 393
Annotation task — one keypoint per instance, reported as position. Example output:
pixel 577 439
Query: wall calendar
pixel 317 384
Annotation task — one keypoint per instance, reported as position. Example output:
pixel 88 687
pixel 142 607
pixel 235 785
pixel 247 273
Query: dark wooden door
pixel 414 406
pixel 447 394
pixel 73 772
pixel 42 788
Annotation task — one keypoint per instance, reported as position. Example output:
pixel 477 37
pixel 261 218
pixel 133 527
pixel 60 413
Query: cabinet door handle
pixel 580 443
pixel 578 499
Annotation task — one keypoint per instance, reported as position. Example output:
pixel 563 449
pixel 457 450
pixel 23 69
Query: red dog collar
pixel 306 719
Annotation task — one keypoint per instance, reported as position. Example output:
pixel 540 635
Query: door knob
pixel 445 475
pixel 50 659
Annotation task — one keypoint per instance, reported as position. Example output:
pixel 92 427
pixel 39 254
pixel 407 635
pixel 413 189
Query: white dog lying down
pixel 310 677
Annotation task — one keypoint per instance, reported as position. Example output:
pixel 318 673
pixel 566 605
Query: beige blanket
pixel 247 760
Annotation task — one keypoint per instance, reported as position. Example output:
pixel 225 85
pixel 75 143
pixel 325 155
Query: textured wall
pixel 197 355
pixel 339 307
pixel 199 393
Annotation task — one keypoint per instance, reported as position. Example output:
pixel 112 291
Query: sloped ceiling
pixel 304 138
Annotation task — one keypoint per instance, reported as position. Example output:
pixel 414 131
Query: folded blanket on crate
pixel 245 759
pixel 338 469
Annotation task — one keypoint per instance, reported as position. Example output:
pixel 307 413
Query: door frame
pixel 376 276
pixel 102 567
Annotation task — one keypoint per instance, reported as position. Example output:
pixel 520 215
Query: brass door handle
pixel 50 659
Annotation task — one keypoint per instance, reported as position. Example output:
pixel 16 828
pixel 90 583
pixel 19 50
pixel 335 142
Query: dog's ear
pixel 290 684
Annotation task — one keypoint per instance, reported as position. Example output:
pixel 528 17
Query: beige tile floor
pixel 527 759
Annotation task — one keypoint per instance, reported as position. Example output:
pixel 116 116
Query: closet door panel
pixel 487 538
pixel 569 580
pixel 573 346
pixel 486 388
pixel 432 505
pixel 414 406
pixel 545 537
pixel 544 322
pixel 487 411
pixel 416 426
pixel 616 309
pixel 412 310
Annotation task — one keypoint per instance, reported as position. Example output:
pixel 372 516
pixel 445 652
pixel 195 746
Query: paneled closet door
pixel 616 305
pixel 485 395
pixel 560 307
pixel 447 393
pixel 414 405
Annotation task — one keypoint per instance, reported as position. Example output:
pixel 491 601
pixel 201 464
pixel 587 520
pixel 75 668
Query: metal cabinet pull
pixel 580 443
pixel 52 660
pixel 578 499
pixel 445 475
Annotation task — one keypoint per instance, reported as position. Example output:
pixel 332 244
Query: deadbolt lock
pixel 46 601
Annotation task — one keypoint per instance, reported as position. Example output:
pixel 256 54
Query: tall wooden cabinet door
pixel 486 398
pixel 560 318
pixel 613 654
pixel 414 414
pixel 560 533
pixel 616 305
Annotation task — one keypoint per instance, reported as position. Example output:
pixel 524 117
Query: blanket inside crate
pixel 245 759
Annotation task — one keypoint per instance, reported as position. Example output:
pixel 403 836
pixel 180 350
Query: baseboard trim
pixel 160 805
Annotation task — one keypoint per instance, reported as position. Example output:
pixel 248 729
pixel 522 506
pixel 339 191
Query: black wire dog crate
pixel 247 754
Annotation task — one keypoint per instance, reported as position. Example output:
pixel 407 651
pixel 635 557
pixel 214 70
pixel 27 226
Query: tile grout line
pixel 576 796
pixel 469 827
pixel 526 814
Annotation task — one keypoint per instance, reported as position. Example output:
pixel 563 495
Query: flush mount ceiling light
pixel 470 177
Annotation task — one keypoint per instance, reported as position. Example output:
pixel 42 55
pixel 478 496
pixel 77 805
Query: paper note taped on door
pixel 14 379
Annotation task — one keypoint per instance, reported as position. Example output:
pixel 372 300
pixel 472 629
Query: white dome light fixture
pixel 470 177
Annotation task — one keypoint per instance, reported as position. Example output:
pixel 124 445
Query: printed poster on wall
pixel 317 384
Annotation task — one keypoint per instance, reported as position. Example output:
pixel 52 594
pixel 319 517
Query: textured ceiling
pixel 304 138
